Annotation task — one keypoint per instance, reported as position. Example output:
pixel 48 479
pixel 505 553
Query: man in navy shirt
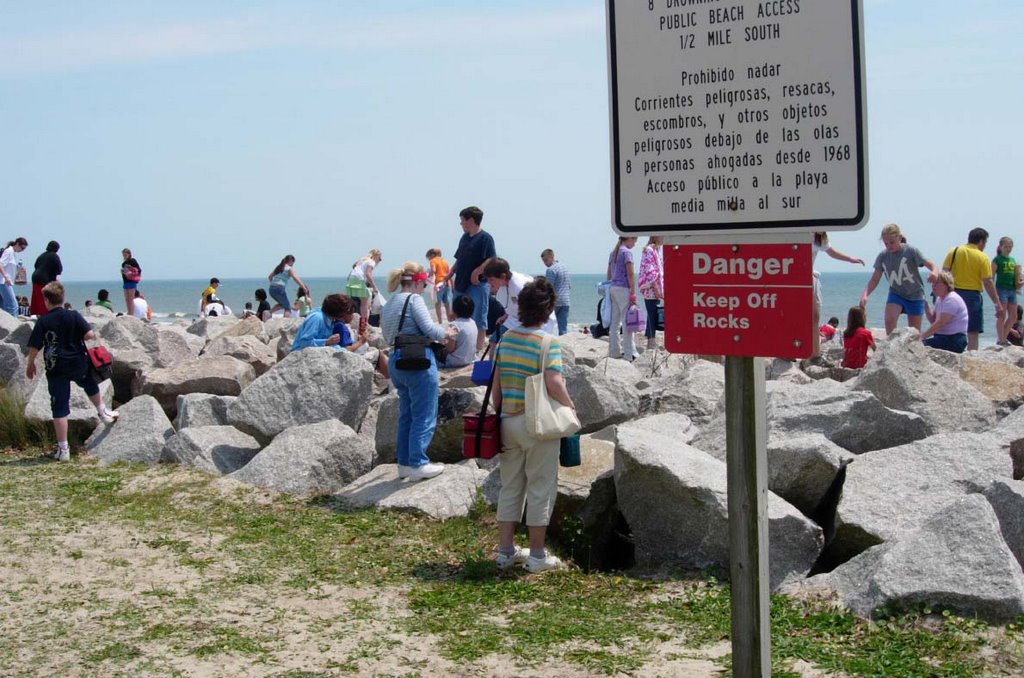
pixel 476 248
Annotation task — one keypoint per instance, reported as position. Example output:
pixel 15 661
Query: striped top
pixel 558 275
pixel 519 358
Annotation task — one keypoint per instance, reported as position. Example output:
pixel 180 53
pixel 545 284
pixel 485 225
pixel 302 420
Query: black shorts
pixel 59 386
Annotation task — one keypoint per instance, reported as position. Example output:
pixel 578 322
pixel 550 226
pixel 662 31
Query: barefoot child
pixel 857 339
pixel 61 336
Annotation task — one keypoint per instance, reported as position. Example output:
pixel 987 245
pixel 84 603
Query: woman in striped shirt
pixel 529 467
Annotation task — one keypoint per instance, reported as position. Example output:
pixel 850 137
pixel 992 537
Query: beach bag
pixel 481 432
pixel 569 451
pixel 546 418
pixel 412 348
pixel 100 364
pixel 20 275
pixel 635 320
pixel 131 273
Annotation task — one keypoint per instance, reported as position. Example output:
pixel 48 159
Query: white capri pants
pixel 529 474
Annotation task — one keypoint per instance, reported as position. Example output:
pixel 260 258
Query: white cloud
pixel 129 45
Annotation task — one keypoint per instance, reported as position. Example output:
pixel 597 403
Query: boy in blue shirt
pixel 61 334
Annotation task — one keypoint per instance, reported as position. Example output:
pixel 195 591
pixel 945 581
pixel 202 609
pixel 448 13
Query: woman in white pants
pixel 623 295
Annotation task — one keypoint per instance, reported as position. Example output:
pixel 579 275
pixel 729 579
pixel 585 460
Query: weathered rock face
pixel 202 409
pixel 446 445
pixel 856 421
pixel 219 375
pixel 1007 499
pixel 83 418
pixel 285 329
pixel 321 457
pixel 889 493
pixel 8 323
pixel 247 348
pixel 12 370
pixel 597 457
pixel 584 349
pixel 246 327
pixel 605 394
pixel 903 378
pixel 449 495
pixel 312 385
pixel 802 468
pixel 19 332
pixel 1000 382
pixel 674 498
pixel 210 328
pixel 695 392
pixel 136 346
pixel 215 449
pixel 138 436
pixel 955 560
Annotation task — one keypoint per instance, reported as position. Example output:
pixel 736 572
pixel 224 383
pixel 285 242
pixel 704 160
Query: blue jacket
pixel 314 331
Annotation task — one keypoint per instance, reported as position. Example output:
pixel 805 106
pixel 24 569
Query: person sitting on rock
pixel 462 347
pixel 360 346
pixel 318 327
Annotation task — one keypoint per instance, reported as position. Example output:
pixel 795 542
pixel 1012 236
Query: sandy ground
pixel 69 596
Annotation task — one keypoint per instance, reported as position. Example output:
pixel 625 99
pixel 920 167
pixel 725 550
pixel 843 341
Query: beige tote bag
pixel 547 419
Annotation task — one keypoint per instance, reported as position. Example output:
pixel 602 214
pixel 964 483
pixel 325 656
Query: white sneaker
pixel 425 471
pixel 518 558
pixel 63 454
pixel 548 562
pixel 108 417
pixel 404 471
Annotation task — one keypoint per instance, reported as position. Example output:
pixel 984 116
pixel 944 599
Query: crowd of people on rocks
pixel 479 307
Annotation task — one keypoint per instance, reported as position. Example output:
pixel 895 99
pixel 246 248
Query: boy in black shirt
pixel 60 334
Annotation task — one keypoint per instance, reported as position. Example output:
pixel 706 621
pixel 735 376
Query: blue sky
pixel 213 138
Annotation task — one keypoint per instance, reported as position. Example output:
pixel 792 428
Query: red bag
pixel 100 364
pixel 481 432
pixel 483 442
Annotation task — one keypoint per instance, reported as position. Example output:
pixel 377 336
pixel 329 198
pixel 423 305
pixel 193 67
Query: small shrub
pixel 15 430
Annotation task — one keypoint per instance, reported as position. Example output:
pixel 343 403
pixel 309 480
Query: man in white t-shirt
pixel 506 285
pixel 462 347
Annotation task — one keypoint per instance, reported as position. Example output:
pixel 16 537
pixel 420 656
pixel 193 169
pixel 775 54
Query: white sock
pixel 62 445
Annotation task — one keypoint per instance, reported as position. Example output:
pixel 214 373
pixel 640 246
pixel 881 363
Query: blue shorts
pixel 1007 296
pixel 906 305
pixel 59 386
pixel 131 285
pixel 444 295
pixel 481 296
pixel 973 300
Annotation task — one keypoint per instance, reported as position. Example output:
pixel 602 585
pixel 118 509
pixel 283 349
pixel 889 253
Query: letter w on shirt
pixel 900 275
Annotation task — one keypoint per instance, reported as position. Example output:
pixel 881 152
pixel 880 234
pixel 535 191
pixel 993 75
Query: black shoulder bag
pixel 412 348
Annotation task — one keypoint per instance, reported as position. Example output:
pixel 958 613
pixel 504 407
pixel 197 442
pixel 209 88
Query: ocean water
pixel 176 299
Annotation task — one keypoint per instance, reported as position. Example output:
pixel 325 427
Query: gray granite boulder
pixel 83 418
pixel 604 394
pixel 1007 499
pixel 856 421
pixel 137 346
pixel 311 385
pixel 12 371
pixel 889 493
pixel 217 375
pixel 903 378
pixel 696 392
pixel 674 498
pixel 956 560
pixel 215 449
pixel 19 332
pixel 8 323
pixel 449 495
pixel 584 349
pixel 321 457
pixel 247 348
pixel 202 409
pixel 138 436
pixel 597 457
pixel 210 328
pixel 246 327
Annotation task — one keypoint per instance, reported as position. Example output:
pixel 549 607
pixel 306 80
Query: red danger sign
pixel 739 300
